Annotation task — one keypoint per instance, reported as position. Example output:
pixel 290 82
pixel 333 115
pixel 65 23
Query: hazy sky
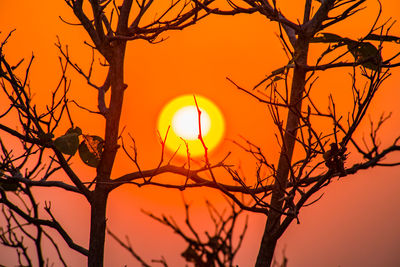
pixel 356 223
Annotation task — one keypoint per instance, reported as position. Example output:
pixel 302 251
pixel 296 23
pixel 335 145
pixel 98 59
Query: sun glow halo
pixel 182 117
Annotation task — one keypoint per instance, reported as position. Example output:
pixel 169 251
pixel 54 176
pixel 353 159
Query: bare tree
pixel 310 155
pixel 110 25
pixel 217 248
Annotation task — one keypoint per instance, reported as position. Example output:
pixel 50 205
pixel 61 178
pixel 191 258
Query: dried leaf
pixel 90 150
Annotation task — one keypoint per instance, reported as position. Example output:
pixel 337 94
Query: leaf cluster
pixel 90 148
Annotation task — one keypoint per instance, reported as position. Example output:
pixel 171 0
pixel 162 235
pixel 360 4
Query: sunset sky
pixel 356 223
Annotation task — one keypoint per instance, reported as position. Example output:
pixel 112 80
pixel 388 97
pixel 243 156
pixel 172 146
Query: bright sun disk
pixel 182 117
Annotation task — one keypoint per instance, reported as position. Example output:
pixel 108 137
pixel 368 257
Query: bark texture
pixel 271 236
pixel 99 198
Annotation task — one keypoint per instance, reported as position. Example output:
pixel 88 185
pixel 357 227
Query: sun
pixel 180 115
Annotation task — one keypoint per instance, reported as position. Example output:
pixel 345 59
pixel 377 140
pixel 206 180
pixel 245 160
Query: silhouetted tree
pixel 311 135
pixel 110 25
pixel 204 249
pixel 315 142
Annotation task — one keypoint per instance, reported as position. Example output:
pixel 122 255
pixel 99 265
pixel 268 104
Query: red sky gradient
pixel 356 223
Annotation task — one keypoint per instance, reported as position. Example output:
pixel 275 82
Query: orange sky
pixel 355 223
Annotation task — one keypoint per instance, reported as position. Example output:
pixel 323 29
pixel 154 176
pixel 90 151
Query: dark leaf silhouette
pixel 383 38
pixel 69 142
pixel 326 37
pixel 90 150
pixel 365 53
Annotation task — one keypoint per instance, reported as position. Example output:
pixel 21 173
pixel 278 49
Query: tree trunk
pixel 99 198
pixel 97 227
pixel 270 237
